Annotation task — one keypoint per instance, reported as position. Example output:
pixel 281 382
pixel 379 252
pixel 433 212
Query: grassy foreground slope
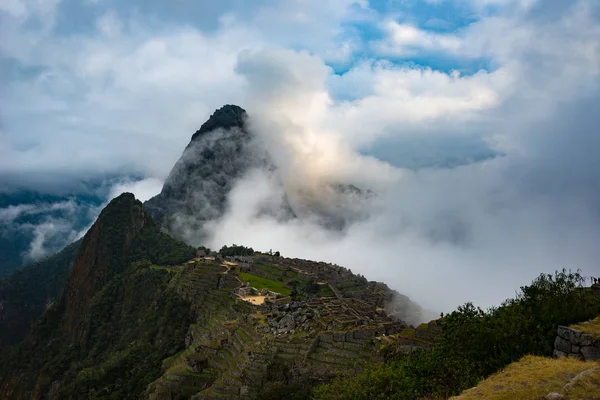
pixel 590 327
pixel 533 378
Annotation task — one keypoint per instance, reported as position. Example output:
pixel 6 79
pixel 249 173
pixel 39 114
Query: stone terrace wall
pixel 572 343
pixel 323 271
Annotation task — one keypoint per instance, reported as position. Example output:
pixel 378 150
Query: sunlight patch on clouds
pixel 407 40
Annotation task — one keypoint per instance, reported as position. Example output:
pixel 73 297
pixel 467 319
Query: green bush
pixel 159 248
pixel 235 250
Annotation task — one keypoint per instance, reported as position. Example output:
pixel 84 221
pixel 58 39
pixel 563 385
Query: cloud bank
pixel 442 236
pixel 324 93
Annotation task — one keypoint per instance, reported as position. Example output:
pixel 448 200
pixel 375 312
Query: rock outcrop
pixel 570 342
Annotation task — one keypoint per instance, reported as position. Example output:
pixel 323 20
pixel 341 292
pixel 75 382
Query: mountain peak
pixel 196 190
pixel 103 248
pixel 228 116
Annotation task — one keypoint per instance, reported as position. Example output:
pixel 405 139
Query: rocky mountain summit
pixel 221 153
pixel 227 117
pixel 196 190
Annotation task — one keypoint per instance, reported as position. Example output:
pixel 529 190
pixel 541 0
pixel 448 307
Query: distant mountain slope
pixel 34 225
pixel 27 292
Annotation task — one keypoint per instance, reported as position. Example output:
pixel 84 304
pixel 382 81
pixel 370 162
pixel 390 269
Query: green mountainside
pixel 113 323
pixel 142 315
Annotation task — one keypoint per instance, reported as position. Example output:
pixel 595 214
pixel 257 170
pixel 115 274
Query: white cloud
pixel 16 8
pixel 12 212
pixel 443 237
pixel 127 97
pixel 403 100
pixel 44 234
pixel 407 40
pixel 143 189
pixel 109 24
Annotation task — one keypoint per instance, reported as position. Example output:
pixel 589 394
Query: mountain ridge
pixel 226 117
pixel 108 301
pixel 130 282
pixel 131 292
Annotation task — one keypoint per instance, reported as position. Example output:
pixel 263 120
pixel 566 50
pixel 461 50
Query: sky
pixel 475 121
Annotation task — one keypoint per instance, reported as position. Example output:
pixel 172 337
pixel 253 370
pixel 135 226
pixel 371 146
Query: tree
pixel 206 249
pixel 235 250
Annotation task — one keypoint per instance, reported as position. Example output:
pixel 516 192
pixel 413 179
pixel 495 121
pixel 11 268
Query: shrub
pixel 235 250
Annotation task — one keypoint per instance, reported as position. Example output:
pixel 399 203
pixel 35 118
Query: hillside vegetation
pixel 106 335
pixel 140 316
pixel 475 344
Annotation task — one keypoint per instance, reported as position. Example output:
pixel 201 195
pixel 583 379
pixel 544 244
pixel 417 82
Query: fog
pixel 443 236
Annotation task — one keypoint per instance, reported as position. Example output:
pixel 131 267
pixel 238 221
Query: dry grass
pixel 534 377
pixel 591 327
pixel 585 388
pixel 408 333
pixel 423 327
pixel 259 318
